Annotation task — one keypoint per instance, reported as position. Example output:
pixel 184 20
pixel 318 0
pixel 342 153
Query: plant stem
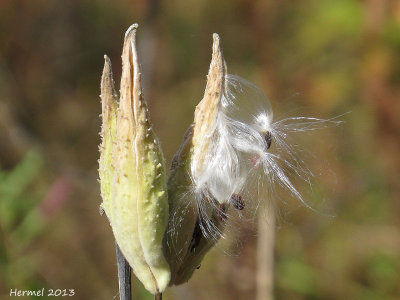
pixel 158 296
pixel 265 256
pixel 124 275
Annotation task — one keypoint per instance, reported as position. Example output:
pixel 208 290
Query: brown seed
pixel 222 214
pixel 268 139
pixel 237 201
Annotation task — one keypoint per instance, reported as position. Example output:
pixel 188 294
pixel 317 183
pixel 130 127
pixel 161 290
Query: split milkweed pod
pixel 226 156
pixel 187 239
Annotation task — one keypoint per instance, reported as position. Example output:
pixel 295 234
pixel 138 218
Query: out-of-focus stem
pixel 265 256
pixel 124 275
pixel 158 296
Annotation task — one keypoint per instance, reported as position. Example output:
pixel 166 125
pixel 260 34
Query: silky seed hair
pixel 249 157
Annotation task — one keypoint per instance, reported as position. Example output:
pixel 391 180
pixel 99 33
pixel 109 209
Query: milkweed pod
pixel 188 236
pixel 132 173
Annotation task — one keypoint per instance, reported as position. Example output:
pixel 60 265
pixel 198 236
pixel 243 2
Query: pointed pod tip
pixel 107 83
pixel 217 54
pixel 216 37
pixel 130 46
pixel 131 30
pixel 106 78
pixel 107 63
pixel 216 43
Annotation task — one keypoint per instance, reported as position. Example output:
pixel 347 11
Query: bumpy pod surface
pixel 132 172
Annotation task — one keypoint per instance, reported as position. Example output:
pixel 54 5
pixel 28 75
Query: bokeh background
pixel 318 57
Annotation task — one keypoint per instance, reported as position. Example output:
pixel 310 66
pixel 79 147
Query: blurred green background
pixel 321 58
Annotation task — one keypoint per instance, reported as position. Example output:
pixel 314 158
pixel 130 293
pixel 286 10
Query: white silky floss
pixel 239 148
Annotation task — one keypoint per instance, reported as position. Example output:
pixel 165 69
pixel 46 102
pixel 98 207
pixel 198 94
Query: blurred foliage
pixel 20 222
pixel 313 58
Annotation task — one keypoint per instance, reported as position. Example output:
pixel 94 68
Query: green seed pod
pixel 132 173
pixel 186 243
